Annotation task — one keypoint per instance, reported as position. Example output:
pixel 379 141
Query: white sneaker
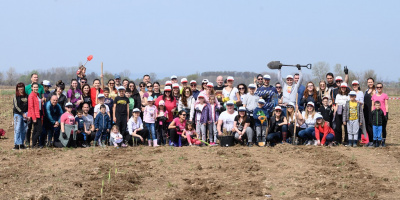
pixel 309 142
pixel 315 143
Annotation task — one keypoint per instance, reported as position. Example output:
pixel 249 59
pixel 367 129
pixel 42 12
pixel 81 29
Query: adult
pixel 125 83
pixel 59 92
pixel 289 89
pixel 81 82
pixel 46 86
pixel 300 91
pixel 242 88
pixel 186 101
pixel 208 92
pixel 176 128
pixel 307 121
pixel 146 78
pixel 193 87
pixel 368 108
pixel 330 81
pixel 227 118
pixel 113 89
pixel 220 83
pixel 176 92
pixel 291 116
pixel 117 79
pixel 241 127
pixel 135 95
pixel 95 91
pixel 184 83
pixel 143 95
pixel 277 128
pixel 174 79
pixel 74 95
pixel 323 91
pixel 52 120
pixel 268 93
pixel 310 95
pixel 34 79
pixel 170 102
pixel 88 123
pixel 35 113
pixel 278 87
pixel 340 102
pixel 149 87
pixel 204 84
pixel 67 138
pixel 86 98
pixel 20 102
pixel 136 134
pixel 383 99
pixel 258 81
pixel 230 92
pixel 156 90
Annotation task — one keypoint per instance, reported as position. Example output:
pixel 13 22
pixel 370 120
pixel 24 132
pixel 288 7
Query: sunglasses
pixel 69 106
pixel 111 83
pixel 339 81
pixel 183 114
pixel 278 87
pixel 278 110
pixel 259 79
pixel 149 86
pixel 142 86
pixel 241 88
pixel 193 84
pixel 310 106
pixel 379 87
pixel 83 82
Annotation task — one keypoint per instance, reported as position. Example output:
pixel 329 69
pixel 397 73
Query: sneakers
pixel 315 142
pixel 16 147
pixel 383 142
pixel 309 142
pixel 123 145
pixel 115 144
pixel 250 144
pixel 22 146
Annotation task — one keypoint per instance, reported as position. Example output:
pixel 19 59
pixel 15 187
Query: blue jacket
pixel 53 113
pixel 102 122
pixel 270 95
pixel 258 112
pixel 196 94
pixel 301 94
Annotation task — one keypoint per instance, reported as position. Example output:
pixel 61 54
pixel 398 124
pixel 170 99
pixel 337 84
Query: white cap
pixel 343 85
pixel 121 88
pixel 241 108
pixel 193 81
pixel 289 76
pixel 290 104
pixel 278 108
pixel 167 88
pixel 252 86
pixel 230 78
pixel 311 103
pixel 168 83
pixel 150 98
pixel 209 84
pixel 161 102
pixel 230 102
pixel 46 83
pixel 68 104
pixel 266 76
pixel 175 85
pixel 100 96
pixel 262 101
pixel 355 82
pixel 184 80
pixel 136 110
pixel 200 95
pixel 338 78
pixel 353 93
pixel 205 81
pixel 174 77
pixel 318 116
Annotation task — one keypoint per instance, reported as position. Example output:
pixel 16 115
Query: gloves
pixel 346 70
pixel 298 66
pixel 177 128
pixel 64 135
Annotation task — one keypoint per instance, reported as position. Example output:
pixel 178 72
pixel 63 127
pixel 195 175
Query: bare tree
pixel 1 78
pixel 125 74
pixel 319 71
pixel 153 77
pixel 12 76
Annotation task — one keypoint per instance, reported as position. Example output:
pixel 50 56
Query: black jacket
pixel 20 104
pixel 138 101
pixel 326 113
pixel 378 117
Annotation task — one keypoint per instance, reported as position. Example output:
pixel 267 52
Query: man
pixel 220 83
pixel 51 121
pixel 268 93
pixel 289 90
pixel 330 79
pixel 226 119
pixel 81 83
pixel 146 79
pixel 46 86
pixel 117 79
pixel 259 80
pixel 301 90
pixel 88 121
pixel 174 79
pixel 193 86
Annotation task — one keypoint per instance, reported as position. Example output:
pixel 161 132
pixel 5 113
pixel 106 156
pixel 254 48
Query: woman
pixel 156 90
pixel 135 95
pixel 59 92
pixel 242 94
pixel 74 95
pixel 383 98
pixel 95 91
pixel 186 101
pixel 35 114
pixel 113 89
pixel 170 102
pixel 229 92
pixel 368 107
pixel 86 98
pixel 204 85
pixel 67 118
pixel 278 87
pixel 209 90
pixel 135 129
pixel 291 116
pixel 310 94
pixel 277 128
pixel 143 95
pixel 20 102
pixel 341 98
pixel 149 89
pixel 176 128
pixel 307 121
pixel 241 127
pixel 323 91
pixel 177 94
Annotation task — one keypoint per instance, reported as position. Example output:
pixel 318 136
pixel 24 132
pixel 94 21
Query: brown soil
pixel 282 172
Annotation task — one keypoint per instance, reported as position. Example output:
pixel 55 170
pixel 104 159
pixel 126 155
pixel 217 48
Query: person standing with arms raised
pixel 289 88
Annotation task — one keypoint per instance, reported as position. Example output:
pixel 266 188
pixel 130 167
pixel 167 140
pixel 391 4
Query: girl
pixel 307 121
pixel 150 116
pixel 190 134
pixel 186 101
pixel 323 132
pixel 81 73
pixel 201 116
pixel 341 98
pixel 116 137
pixel 359 94
pixel 310 94
pixel 86 98
pixel 323 91
pixel 95 91
pixel 143 95
pixel 383 98
pixel 113 89
pixel 161 124
pixel 20 102
pixel 135 95
pixel 176 128
pixel 291 116
pixel 209 90
pixel 212 122
pixel 74 95
pixel 156 90
pixel 367 109
pixel 277 127
pixel 35 113
pixel 229 91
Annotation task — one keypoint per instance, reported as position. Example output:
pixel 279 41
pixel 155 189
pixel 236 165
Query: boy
pixel 121 111
pixel 353 116
pixel 108 101
pixel 81 127
pixel 378 118
pixel 102 124
pixel 259 113
pixel 128 94
pixel 326 110
pixel 101 100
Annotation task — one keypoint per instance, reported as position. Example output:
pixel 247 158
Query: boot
pixel 250 144
pixel 377 143
pixel 94 143
pixel 155 143
pixel 380 143
pixel 22 146
pixel 16 147
pixel 372 144
pixel 149 141
pixel 103 143
pixel 383 142
pixel 284 136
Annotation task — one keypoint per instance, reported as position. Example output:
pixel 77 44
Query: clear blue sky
pixel 194 36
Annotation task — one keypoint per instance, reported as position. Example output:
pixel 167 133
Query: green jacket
pixel 28 90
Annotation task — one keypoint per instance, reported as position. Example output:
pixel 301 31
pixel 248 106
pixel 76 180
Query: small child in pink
pixel 189 134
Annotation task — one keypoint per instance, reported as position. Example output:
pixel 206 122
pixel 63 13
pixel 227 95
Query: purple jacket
pixel 205 114
pixel 216 113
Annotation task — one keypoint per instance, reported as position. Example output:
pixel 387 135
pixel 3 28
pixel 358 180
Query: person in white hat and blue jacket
pixel 268 93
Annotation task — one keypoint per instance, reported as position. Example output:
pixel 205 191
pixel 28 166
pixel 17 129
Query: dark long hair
pixel 77 88
pixel 20 84
pixel 184 98
pixel 165 97
pixel 89 89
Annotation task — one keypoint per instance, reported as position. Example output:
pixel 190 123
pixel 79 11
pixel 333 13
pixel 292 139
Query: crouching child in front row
pixel 116 138
pixel 102 124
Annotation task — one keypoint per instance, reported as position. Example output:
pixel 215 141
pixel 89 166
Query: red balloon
pixel 90 57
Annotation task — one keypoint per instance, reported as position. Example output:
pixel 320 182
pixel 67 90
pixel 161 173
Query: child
pixel 102 124
pixel 161 124
pixel 101 99
pixel 81 127
pixel 212 122
pixel 323 132
pixel 326 110
pixel 352 117
pixel 202 115
pixel 259 113
pixel 128 94
pixel 189 133
pixel 121 110
pixel 378 118
pixel 81 73
pixel 150 116
pixel 108 101
pixel 116 137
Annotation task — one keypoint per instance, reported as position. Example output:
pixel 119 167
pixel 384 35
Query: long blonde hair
pixel 291 115
pixel 312 114
pixel 321 124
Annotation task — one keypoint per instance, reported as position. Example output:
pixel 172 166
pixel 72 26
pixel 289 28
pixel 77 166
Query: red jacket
pixel 325 130
pixel 93 95
pixel 33 106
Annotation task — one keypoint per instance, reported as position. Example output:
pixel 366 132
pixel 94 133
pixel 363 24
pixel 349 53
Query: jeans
pixel 249 133
pixel 102 134
pixel 201 130
pixel 377 132
pixel 329 138
pixel 152 131
pixel 274 138
pixel 212 132
pixel 260 131
pixel 20 128
pixel 307 133
pixel 53 132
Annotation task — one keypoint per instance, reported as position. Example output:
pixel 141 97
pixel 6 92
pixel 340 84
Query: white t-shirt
pixel 231 94
pixel 227 120
pixel 198 114
pixel 309 121
pixel 97 108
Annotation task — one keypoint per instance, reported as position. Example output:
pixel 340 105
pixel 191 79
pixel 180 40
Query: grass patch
pixel 7 92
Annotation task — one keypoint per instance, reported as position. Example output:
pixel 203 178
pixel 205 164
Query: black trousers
pixel 338 129
pixel 368 123
pixel 129 138
pixel 37 130
pixel 122 123
pixel 29 132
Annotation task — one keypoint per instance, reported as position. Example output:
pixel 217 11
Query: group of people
pixel 121 114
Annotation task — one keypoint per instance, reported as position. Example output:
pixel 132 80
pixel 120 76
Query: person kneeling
pixel 323 132
pixel 241 127
pixel 116 138
pixel 277 127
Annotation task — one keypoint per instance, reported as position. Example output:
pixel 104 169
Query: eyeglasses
pixel 260 79
pixel 193 85
pixel 83 82
pixel 183 114
pixel 241 88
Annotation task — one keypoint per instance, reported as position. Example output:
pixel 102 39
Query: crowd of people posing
pixel 183 114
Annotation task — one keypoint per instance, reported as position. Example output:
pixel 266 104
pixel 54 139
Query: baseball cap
pixel 184 80
pixel 100 96
pixel 121 88
pixel 161 102
pixel 343 85
pixel 167 88
pixel 230 78
pixel 262 101
pixel 136 110
pixel 310 103
pixel 318 116
pixel 68 104
pixel 353 93
pixel 150 98
pixel 289 76
pixel 338 78
pixel 355 82
pixel 175 85
pixel 205 81
pixel 230 102
pixel 193 81
pixel 173 77
pixel 252 86
pixel 242 108
pixel 266 76
pixel 201 95
pixel 168 83
pixel 116 76
pixel 209 84
pixel 46 83
pixel 278 108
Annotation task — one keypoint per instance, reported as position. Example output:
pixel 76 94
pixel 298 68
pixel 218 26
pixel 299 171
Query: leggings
pixel 37 131
pixel 201 130
pixel 338 129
